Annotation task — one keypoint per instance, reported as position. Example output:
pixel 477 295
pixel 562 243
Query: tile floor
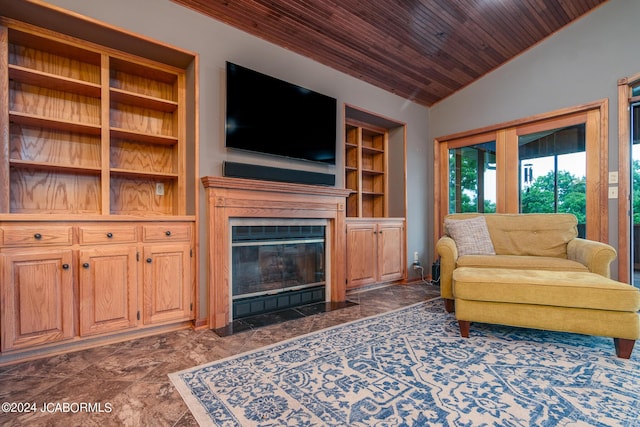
pixel 129 380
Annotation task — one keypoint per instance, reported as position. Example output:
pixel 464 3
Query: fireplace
pixel 230 200
pixel 276 264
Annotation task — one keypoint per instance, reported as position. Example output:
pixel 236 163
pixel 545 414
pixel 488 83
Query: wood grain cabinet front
pixel 36 297
pixel 375 251
pixel 107 289
pixel 168 291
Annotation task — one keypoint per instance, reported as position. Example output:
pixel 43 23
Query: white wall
pixel 216 43
pixel 580 64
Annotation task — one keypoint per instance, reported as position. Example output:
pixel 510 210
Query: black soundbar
pixel 267 173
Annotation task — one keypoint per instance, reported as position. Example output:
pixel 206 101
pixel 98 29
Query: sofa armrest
pixel 446 248
pixel 596 256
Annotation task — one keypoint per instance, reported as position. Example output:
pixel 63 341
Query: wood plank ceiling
pixel 422 50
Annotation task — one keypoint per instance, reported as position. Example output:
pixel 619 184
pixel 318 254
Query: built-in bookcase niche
pixel 90 131
pixel 366 171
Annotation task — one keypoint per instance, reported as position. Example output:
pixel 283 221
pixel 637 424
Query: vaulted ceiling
pixel 422 50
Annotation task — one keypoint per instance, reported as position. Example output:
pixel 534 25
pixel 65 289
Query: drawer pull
pixel 37 236
pixel 168 233
pixel 85 265
pixel 65 266
pixel 149 260
pixel 109 235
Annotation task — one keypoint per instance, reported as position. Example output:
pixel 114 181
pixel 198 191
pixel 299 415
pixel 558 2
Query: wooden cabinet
pixel 167 278
pixel 375 172
pixel 36 297
pixel 97 170
pixel 107 289
pixel 375 251
pixel 71 282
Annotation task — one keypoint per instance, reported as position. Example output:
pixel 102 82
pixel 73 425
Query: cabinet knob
pixel 168 233
pixel 37 236
pixel 85 265
pixel 149 260
pixel 109 235
pixel 65 266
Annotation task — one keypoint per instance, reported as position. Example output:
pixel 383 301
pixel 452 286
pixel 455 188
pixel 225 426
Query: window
pixel 553 162
pixel 553 172
pixel 472 178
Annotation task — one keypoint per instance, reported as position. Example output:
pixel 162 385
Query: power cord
pixel 433 282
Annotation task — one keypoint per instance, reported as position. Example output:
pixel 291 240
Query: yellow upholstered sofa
pixel 531 270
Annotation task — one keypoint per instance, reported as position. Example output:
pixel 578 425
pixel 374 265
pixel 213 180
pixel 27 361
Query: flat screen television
pixel 268 115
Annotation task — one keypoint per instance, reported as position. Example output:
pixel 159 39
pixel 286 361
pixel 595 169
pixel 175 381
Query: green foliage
pixel 540 197
pixel 468 184
pixel 636 191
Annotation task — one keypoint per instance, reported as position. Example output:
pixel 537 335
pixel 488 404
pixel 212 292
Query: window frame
pixel 625 99
pixel 593 115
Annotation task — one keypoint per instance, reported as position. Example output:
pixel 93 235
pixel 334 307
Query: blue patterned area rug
pixel 410 367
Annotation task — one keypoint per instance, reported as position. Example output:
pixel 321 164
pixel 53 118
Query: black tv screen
pixel 269 115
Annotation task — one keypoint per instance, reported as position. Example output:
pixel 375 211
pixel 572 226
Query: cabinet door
pixel 391 264
pixel 361 254
pixel 167 283
pixel 108 284
pixel 37 298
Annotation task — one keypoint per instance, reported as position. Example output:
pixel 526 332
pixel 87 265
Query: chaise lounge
pixel 531 270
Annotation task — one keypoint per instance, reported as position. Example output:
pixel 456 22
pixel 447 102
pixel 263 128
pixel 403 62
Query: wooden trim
pixel 42 14
pixel 4 120
pixel 524 121
pixel 510 194
pixel 229 198
pixel 624 181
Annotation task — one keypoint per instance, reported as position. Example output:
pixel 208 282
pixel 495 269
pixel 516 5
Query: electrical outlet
pixel 159 189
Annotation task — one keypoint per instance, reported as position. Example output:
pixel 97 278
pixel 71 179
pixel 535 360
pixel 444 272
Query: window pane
pixel 472 178
pixel 553 173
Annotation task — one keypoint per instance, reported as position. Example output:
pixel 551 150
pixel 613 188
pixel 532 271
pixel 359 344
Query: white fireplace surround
pixel 230 200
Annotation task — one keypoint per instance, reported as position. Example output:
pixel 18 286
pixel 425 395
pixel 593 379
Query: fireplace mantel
pixel 229 198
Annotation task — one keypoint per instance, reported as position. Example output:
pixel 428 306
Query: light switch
pixel 613 177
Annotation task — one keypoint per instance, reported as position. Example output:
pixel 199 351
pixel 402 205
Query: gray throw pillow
pixel 471 235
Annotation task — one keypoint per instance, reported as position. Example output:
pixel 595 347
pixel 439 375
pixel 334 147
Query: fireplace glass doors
pixel 276 267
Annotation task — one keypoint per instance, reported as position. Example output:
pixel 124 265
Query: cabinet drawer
pixel 166 232
pixel 108 234
pixel 37 235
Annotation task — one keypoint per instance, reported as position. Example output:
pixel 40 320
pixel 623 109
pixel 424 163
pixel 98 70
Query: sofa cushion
pixel 528 234
pixel 550 288
pixel 471 236
pixel 520 262
pixel 532 234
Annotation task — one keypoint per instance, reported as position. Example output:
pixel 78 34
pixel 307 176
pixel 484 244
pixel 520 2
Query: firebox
pixel 276 265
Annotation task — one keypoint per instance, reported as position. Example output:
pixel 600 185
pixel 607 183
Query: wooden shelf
pixel 142 137
pixel 372 172
pixel 143 174
pixel 55 167
pixel 59 124
pixel 53 81
pixel 143 101
pixel 372 150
